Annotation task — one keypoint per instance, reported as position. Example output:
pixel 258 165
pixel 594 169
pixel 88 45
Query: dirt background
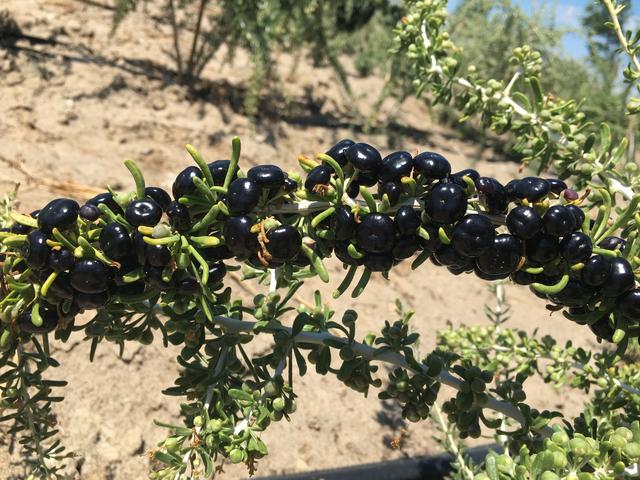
pixel 73 112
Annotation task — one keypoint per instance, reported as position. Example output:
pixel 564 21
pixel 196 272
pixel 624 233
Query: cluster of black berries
pixel 117 248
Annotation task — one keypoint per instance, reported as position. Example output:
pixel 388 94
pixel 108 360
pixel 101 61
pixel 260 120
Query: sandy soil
pixel 74 112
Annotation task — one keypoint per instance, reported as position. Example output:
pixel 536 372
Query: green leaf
pixel 537 92
pixel 237 394
pixel 302 363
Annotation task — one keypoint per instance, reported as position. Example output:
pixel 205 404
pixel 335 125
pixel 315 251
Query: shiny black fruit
pixel 395 166
pixel 576 248
pixel 183 184
pixel 503 257
pixel 89 212
pixel 267 176
pixel 378 262
pixel 179 217
pixel 542 249
pixel 376 233
pixel 89 276
pixel 217 271
pixel 532 188
pixel 473 235
pixel 158 255
pixel 556 186
pixel 432 165
pixel 524 222
pixel 446 202
pixel 108 200
pixel 290 185
pixel 364 157
pixel 405 247
pixel 219 169
pixel 603 329
pixel 467 172
pixel 575 294
pixel 392 190
pixel 629 305
pixel 243 196
pixel 433 243
pixel 578 214
pixel 238 237
pixel 558 221
pixel 61 260
pixel 342 254
pixel 158 195
pixel 143 212
pixel 49 317
pixel 596 271
pixel 115 241
pixel 620 279
pixel 407 220
pixel 493 194
pixel 284 243
pixel 339 151
pixel 343 223
pixel 60 213
pixel 320 175
pixel 449 257
pixel 612 243
pixel 188 286
pixel 36 251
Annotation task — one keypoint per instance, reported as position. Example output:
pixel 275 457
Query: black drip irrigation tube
pixel 419 468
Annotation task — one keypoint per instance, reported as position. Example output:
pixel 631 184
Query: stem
pixel 393 358
pixel 621 37
pixel 176 35
pixel 450 442
pixel 194 43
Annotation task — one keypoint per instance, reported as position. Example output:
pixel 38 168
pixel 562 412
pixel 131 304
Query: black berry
pixel 219 169
pixel 524 222
pixel 158 195
pixel 376 233
pixel 107 199
pixel 49 317
pixel 364 157
pixel 558 221
pixel 158 255
pixel 472 235
pixel 532 188
pixel 179 217
pixel 143 212
pixel 243 196
pixel 115 241
pixel 395 166
pixel 238 237
pixel 36 251
pixel 320 175
pixel 493 194
pixel 61 260
pixel 596 271
pixel 432 165
pixel 60 213
pixel 542 249
pixel 284 243
pixel 343 223
pixel 267 176
pixel 502 257
pixel 89 276
pixel 89 212
pixel 620 278
pixel 446 202
pixel 339 150
pixel 183 184
pixel 576 248
pixel 407 220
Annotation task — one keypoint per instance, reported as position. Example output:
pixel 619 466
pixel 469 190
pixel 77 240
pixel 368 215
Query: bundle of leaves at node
pixel 130 256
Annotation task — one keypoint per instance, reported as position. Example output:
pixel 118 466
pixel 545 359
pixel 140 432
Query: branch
pixel 621 37
pixel 390 357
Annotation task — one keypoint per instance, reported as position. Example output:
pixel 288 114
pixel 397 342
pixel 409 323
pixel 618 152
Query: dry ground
pixel 75 112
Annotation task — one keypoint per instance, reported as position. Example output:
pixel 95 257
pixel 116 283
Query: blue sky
pixel 568 15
